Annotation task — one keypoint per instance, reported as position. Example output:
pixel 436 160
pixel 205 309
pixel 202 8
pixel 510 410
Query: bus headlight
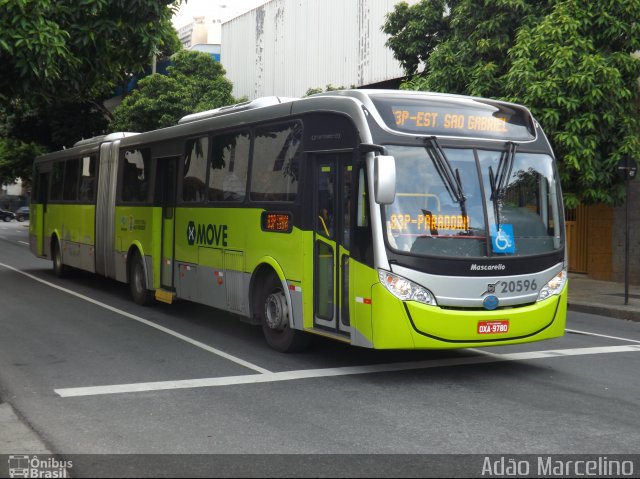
pixel 555 286
pixel 404 289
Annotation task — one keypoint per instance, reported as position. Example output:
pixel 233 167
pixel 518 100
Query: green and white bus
pixel 383 219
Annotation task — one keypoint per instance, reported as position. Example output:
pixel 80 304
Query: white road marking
pixel 191 341
pixel 267 376
pixel 23 242
pixel 587 333
pixel 334 372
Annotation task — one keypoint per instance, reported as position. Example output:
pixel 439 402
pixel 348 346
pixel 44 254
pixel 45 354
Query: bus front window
pixel 528 205
pixel 432 217
pixel 428 217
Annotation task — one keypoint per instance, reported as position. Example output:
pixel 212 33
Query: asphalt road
pixel 93 373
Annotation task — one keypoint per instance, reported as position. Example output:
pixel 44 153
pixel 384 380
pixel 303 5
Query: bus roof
pixel 383 104
pixel 83 147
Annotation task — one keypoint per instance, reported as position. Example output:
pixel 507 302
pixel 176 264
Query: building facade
pixel 287 47
pixel 201 31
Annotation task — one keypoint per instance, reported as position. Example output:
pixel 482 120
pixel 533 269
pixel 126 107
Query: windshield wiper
pixel 500 179
pixel 451 179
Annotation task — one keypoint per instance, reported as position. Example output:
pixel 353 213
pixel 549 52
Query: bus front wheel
pixel 138 281
pixel 274 316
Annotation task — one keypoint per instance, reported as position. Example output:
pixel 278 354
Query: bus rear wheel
pixel 59 269
pixel 274 316
pixel 138 281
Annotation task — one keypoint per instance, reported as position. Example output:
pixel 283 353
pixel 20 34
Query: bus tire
pixel 59 269
pixel 274 317
pixel 138 281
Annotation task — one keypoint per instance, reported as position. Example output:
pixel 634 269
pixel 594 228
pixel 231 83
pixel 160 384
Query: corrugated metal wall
pixel 286 47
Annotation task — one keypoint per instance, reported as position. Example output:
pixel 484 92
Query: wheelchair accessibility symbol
pixel 502 240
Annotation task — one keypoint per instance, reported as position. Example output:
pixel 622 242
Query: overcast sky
pixel 223 9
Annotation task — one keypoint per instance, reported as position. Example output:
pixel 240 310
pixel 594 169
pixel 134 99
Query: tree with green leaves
pixel 195 82
pixel 48 127
pixel 571 62
pixel 577 71
pixel 77 49
pixel 16 159
pixel 415 31
pixel 462 45
pixel 59 59
pixel 328 88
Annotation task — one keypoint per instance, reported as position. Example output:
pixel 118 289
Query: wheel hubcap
pixel 275 311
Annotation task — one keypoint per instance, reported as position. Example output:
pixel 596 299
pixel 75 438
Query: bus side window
pixel 326 198
pixel 363 203
pixel 362 247
pixel 229 166
pixel 276 158
pixel 194 181
pixel 57 181
pixel 71 180
pixel 88 179
pixel 135 177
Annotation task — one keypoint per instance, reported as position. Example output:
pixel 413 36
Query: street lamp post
pixel 627 169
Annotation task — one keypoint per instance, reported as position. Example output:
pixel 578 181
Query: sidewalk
pixel 16 437
pixel 605 298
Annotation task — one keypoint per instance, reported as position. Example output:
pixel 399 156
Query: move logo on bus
pixel 207 235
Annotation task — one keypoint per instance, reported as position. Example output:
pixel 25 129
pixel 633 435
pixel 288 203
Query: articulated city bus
pixel 384 219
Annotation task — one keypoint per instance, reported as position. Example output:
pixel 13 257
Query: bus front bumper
pixel 412 325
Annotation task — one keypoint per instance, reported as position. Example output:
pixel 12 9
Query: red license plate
pixel 493 327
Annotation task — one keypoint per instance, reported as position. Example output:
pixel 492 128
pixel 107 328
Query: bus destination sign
pixel 415 119
pixel 429 222
pixel 276 222
pixel 468 119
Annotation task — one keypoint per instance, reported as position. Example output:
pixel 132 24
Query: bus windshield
pixel 473 203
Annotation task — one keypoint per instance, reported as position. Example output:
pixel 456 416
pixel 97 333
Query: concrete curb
pixel 616 312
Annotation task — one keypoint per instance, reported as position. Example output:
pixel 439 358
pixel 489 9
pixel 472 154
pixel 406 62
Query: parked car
pixel 22 213
pixel 7 215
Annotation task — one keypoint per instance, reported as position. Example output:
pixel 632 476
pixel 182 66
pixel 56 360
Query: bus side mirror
pixel 384 177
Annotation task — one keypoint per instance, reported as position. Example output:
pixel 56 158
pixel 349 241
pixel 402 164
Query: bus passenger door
pixel 167 186
pixel 332 209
